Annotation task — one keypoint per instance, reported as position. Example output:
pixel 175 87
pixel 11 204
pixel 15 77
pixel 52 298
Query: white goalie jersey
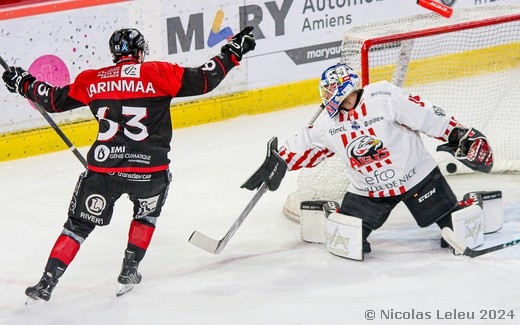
pixel 379 140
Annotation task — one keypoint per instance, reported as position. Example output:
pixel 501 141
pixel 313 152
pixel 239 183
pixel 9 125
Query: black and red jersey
pixel 131 102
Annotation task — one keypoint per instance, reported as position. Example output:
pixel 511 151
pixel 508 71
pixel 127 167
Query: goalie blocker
pixel 271 172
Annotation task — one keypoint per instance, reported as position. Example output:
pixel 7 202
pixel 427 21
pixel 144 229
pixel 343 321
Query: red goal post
pixel 468 64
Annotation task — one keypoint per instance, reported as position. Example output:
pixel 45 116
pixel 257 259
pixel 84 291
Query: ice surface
pixel 266 274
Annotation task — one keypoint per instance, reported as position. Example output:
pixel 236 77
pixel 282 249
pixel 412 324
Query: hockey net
pixel 468 64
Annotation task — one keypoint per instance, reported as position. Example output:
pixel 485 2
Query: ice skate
pixel 129 275
pixel 41 292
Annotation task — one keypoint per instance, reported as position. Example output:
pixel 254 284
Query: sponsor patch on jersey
pixel 95 204
pixel 147 206
pixel 101 153
pixel 109 73
pixel 131 71
pixel 379 93
pixel 374 120
pixel 439 111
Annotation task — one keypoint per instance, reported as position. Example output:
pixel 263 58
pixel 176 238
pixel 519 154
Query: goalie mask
pixel 127 41
pixel 336 84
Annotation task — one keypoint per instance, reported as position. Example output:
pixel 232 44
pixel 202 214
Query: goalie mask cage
pixel 468 64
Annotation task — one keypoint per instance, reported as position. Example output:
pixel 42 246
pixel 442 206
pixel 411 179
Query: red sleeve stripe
pixel 314 158
pixel 221 65
pixel 298 162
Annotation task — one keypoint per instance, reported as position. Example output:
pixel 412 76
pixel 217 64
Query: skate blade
pixel 34 301
pixel 124 288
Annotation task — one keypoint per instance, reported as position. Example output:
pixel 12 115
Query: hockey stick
pixel 52 123
pixel 216 246
pixel 462 249
pixel 315 116
pixel 267 176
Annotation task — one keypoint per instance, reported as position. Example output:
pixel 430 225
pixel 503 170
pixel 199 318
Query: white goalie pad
pixel 312 222
pixel 344 235
pixel 492 209
pixel 468 225
pixel 313 218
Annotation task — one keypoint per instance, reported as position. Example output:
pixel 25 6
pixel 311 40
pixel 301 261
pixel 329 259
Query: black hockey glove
pixel 470 147
pixel 241 43
pixel 15 80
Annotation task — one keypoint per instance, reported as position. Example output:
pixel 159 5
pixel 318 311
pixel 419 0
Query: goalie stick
pixel 315 116
pixel 216 246
pixel 461 249
pixel 53 124
pixel 267 176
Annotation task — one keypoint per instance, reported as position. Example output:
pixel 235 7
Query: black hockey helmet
pixel 127 41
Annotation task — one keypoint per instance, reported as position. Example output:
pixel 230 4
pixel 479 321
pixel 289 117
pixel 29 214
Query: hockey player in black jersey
pixel 131 102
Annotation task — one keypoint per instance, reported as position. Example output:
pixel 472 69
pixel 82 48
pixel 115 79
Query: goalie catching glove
pixel 271 171
pixel 470 147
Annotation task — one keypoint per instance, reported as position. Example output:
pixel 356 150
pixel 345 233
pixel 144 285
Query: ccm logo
pixel 427 195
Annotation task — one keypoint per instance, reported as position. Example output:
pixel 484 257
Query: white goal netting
pixel 468 64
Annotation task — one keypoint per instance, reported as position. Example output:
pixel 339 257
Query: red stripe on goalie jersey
pixel 450 127
pixel 354 115
pixel 308 159
pixel 392 192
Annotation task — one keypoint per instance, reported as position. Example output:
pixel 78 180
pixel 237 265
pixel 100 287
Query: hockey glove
pixel 16 79
pixel 470 147
pixel 241 43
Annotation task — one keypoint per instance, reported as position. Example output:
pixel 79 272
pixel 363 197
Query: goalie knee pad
pixel 344 236
pixel 312 219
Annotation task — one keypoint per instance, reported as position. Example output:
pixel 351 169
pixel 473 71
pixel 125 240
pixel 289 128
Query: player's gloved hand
pixel 470 147
pixel 15 80
pixel 241 43
pixel 475 148
pixel 271 172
